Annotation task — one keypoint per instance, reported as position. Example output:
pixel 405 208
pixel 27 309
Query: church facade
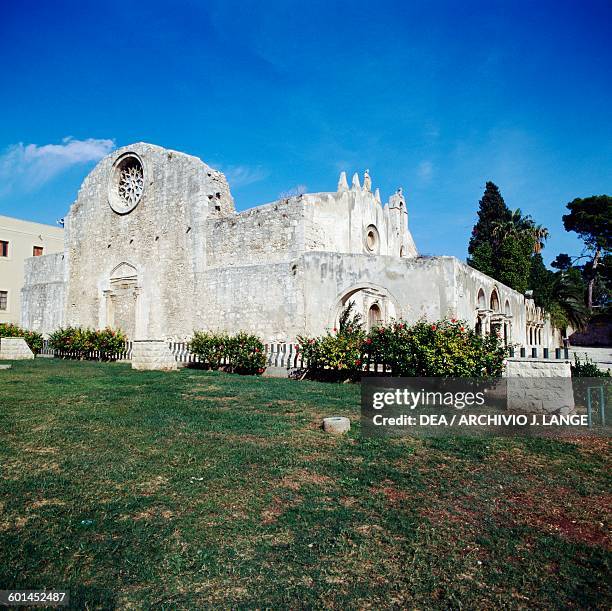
pixel 155 247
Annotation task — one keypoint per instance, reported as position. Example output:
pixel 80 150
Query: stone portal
pixel 122 299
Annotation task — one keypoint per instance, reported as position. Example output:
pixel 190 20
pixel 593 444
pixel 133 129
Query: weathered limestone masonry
pixel 43 296
pixel 154 246
pixel 540 386
pixel 149 355
pixel 14 349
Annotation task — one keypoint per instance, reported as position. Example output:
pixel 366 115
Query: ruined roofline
pixel 161 149
pixel 342 187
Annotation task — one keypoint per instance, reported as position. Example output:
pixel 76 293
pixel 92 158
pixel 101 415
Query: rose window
pixel 126 184
pixel 131 183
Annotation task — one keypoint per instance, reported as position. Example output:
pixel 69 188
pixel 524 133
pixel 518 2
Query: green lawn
pixel 194 489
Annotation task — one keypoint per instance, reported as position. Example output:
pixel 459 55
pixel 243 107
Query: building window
pixel 127 183
pixel 3 248
pixel 3 300
pixel 371 239
pixel 37 251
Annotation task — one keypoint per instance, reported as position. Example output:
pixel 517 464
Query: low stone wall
pixel 153 355
pixel 14 349
pixel 540 386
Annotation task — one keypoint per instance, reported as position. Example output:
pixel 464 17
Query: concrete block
pixel 14 349
pixel 540 386
pixel 153 355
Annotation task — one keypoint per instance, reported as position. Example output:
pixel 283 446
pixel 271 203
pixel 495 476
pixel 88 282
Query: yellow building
pixel 18 241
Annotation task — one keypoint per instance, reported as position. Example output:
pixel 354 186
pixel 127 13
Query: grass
pixel 196 489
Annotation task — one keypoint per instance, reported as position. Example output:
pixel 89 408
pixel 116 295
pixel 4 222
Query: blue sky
pixel 437 97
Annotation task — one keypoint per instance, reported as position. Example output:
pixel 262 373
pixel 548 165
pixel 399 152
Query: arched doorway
pixel 494 304
pixel 481 302
pixel 375 304
pixel 375 317
pixel 122 298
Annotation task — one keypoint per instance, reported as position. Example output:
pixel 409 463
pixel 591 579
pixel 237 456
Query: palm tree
pixel 568 292
pixel 518 226
pixel 540 235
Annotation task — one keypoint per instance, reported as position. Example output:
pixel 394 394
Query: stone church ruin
pixel 154 246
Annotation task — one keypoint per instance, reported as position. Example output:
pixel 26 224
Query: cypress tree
pixel 492 209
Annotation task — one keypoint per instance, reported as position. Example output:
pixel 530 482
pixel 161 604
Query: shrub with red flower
pixel 333 356
pixel 77 342
pixel 445 348
pixel 241 353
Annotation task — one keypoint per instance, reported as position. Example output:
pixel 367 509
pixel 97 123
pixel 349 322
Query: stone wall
pixel 340 222
pixel 163 240
pixel 262 299
pixel 330 222
pixel 266 234
pixel 540 386
pixel 43 293
pixel 396 285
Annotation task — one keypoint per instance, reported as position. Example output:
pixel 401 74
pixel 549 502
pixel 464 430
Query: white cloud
pixel 242 175
pixel 30 165
pixel 425 170
pixel 293 192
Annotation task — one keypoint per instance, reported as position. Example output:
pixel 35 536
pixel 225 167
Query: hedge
pixel 77 342
pixel 444 348
pixel 240 353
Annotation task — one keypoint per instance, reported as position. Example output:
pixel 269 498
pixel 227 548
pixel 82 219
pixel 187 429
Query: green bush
pixel 33 339
pixel 241 353
pixel 109 342
pixel 210 347
pixel 587 369
pixel 337 355
pixel 77 342
pixel 445 348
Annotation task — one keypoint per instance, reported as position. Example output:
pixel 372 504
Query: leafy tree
pixel 541 282
pixel 568 296
pixel 591 219
pixel 503 241
pixel 562 262
pixel 514 262
pixel 602 289
pixel 482 259
pixel 540 235
pixel 515 226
